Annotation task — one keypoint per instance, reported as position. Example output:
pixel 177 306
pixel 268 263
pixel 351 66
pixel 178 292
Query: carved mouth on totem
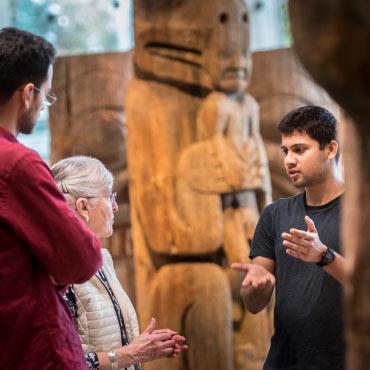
pixel 235 74
pixel 175 52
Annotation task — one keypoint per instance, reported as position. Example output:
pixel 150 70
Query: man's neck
pixel 325 191
pixel 8 121
pixel 5 127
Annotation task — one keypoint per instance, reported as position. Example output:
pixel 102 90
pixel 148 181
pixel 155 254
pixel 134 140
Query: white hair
pixel 81 176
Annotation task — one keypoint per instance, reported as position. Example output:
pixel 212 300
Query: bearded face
pixel 27 121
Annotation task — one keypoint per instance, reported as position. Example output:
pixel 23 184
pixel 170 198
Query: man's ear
pixel 82 208
pixel 28 94
pixel 332 149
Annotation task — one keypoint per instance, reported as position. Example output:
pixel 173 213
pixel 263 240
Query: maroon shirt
pixel 40 236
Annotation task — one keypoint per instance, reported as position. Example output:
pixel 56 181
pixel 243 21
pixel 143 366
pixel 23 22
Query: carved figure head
pixel 200 45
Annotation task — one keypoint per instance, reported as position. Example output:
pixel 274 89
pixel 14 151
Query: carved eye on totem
pixel 245 18
pixel 223 18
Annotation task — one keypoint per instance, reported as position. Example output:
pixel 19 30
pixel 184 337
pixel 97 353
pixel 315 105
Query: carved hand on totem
pixel 215 166
pixel 153 344
pixel 242 170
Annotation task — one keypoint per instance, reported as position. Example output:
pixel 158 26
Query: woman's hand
pixel 179 341
pixel 151 345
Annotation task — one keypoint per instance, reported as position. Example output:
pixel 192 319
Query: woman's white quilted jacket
pixel 97 321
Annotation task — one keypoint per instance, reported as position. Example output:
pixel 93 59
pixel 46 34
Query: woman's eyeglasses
pixel 112 197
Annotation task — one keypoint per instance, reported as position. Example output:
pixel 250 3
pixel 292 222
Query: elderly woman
pixel 104 315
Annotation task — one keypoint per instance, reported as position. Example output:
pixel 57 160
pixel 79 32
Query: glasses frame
pixel 112 197
pixel 49 99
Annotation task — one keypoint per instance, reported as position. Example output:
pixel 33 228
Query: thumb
pixel 150 328
pixel 310 225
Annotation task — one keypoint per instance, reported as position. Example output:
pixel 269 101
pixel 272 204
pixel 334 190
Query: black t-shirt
pixel 308 308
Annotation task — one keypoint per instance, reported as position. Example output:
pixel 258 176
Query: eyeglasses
pixel 49 99
pixel 112 197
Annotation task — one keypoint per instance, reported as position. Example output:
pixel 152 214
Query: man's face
pixel 304 162
pixel 28 119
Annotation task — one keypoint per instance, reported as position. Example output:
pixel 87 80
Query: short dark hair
pixel 318 123
pixel 24 57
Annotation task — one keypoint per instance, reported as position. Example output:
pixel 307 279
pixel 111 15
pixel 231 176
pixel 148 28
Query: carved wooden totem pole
pixel 89 119
pixel 332 39
pixel 198 178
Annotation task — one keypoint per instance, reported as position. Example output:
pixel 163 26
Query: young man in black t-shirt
pixel 296 249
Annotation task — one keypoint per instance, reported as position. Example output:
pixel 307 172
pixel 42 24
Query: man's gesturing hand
pixel 258 284
pixel 256 277
pixel 304 245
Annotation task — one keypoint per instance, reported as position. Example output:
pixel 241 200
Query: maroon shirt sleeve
pixel 40 216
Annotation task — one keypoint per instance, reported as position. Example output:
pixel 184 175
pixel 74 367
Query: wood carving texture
pixel 198 178
pixel 332 39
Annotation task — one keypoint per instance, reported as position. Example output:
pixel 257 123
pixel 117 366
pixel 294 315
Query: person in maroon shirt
pixel 43 245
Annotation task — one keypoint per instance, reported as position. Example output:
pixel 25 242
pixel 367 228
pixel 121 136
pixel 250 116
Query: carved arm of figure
pixel 229 154
pixel 264 191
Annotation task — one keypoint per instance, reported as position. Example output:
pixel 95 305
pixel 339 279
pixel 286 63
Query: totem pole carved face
pixel 227 57
pixel 192 43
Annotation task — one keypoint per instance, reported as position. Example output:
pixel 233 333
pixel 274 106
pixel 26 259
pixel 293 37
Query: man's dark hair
pixel 24 58
pixel 318 123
